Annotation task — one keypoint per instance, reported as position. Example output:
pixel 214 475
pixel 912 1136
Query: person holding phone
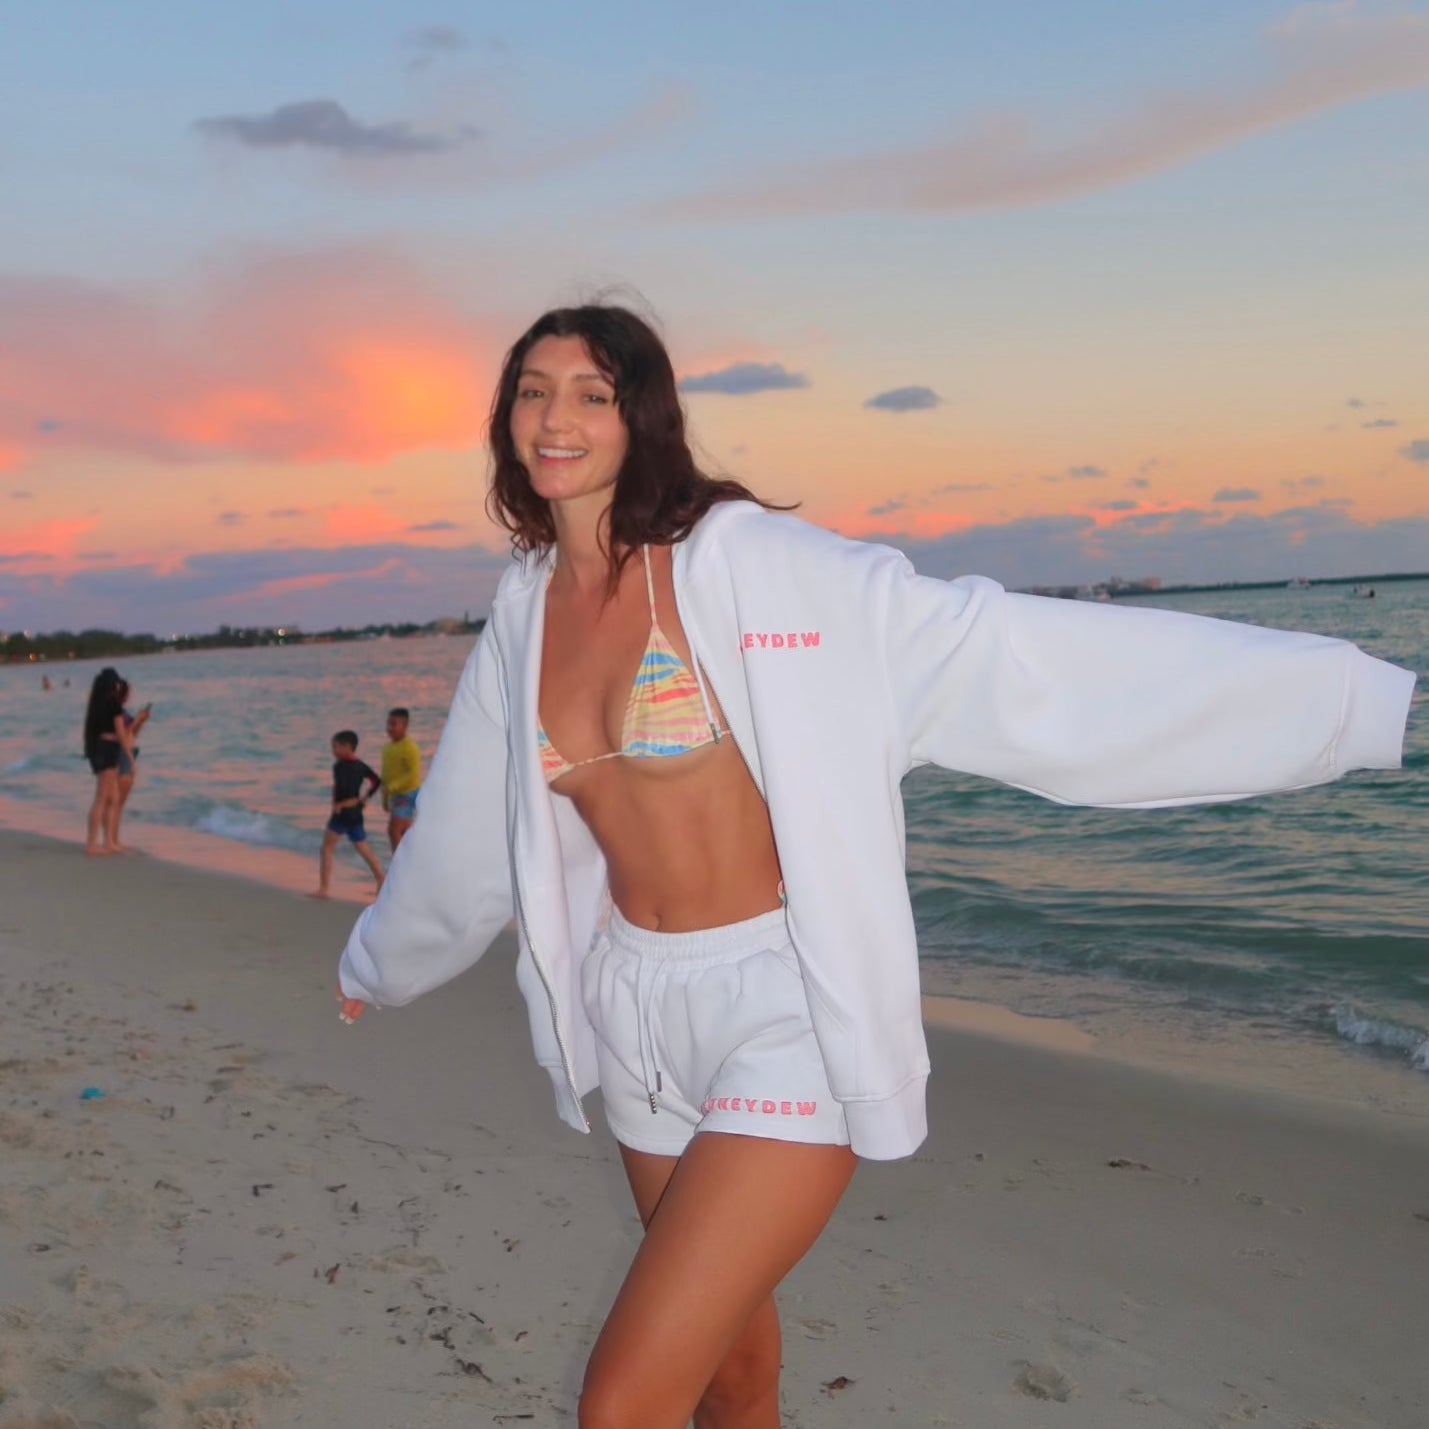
pixel 128 759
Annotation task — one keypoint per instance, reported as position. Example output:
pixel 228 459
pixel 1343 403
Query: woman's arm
pixel 124 734
pixel 448 891
pixel 1131 706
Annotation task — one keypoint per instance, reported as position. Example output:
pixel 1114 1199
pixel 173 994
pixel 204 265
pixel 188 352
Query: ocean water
pixel 1254 931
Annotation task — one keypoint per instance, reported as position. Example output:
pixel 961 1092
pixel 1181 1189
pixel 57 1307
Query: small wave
pixel 18 766
pixel 245 826
pixel 1379 1032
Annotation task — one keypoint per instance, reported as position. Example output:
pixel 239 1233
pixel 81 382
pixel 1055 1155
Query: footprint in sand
pixel 1043 1381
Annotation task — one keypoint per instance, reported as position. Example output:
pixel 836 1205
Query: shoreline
pixel 982 1004
pixel 268 1219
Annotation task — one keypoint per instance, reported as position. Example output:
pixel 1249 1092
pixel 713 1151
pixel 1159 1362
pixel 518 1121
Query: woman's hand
pixel 349 1009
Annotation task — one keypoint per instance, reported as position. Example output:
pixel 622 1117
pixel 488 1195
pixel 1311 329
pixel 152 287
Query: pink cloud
pixel 1320 57
pixel 45 542
pixel 319 357
pixel 291 585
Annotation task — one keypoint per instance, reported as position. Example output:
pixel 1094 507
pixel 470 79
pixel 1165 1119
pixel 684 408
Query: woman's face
pixel 565 425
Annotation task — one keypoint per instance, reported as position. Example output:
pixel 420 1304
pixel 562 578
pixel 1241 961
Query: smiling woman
pixel 676 757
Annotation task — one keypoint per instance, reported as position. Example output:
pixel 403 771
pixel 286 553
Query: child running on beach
pixel 349 774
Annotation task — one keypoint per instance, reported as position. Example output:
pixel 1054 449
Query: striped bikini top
pixel 667 713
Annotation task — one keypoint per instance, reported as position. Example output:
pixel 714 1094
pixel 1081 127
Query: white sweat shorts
pixel 706 1031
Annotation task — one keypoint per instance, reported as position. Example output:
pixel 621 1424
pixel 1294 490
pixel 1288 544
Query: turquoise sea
pixel 1286 935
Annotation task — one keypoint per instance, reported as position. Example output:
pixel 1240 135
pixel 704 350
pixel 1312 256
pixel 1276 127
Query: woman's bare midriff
pixel 687 839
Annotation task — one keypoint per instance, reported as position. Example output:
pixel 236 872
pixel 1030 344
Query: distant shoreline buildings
pixel 28 647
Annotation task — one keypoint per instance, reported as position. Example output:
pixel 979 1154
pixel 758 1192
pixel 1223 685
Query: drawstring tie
pixel 646 975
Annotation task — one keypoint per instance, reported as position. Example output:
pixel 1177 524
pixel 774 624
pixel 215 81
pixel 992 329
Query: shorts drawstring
pixel 645 978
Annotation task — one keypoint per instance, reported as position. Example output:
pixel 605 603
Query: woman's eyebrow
pixel 575 377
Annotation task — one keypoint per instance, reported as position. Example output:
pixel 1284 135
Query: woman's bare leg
pixel 105 790
pixel 694 1329
pixel 123 787
pixel 747 1381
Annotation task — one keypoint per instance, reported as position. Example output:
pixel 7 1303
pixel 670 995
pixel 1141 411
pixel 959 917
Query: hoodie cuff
pixel 1377 708
pixel 891 1127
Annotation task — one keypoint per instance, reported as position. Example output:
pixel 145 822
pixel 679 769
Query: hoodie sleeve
pixel 448 892
pixel 1128 706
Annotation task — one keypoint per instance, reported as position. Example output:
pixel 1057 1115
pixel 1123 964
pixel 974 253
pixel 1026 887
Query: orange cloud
pixel 359 525
pixel 320 357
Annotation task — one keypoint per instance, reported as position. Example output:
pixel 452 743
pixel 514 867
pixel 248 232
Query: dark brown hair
pixel 660 493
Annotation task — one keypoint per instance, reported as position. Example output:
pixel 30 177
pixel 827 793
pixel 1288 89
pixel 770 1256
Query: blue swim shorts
pixel 403 806
pixel 354 829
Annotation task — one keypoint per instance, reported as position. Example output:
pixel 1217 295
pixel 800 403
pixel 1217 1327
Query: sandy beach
pixel 221 1209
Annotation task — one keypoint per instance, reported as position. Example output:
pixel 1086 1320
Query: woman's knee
pixel 608 1403
pixel 748 1377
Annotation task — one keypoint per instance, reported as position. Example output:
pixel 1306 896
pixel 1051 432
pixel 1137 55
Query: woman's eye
pixel 526 394
pixel 598 399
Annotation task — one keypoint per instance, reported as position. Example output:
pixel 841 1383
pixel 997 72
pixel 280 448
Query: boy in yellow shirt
pixel 401 776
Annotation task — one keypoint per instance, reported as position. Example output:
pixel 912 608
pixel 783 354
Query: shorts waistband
pixel 722 944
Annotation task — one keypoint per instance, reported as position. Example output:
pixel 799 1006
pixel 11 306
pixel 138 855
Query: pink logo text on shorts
pixel 760 1106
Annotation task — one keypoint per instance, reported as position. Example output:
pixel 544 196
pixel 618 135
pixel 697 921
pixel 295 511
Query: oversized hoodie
pixel 839 669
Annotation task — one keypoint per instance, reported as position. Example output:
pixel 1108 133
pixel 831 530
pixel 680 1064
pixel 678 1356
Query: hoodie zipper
pixel 525 922
pixel 550 995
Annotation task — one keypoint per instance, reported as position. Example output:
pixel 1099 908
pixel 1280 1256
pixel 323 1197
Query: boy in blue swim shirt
pixel 349 774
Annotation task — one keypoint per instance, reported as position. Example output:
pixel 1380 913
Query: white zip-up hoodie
pixel 838 669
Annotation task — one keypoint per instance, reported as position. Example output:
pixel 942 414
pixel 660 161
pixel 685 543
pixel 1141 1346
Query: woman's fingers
pixel 349 1009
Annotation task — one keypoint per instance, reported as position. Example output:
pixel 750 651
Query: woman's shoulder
pixel 743 532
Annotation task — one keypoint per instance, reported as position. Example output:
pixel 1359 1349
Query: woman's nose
pixel 555 415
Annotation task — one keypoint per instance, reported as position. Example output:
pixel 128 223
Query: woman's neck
pixel 583 559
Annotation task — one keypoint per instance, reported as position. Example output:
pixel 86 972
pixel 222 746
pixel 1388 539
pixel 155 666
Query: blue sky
pixel 259 262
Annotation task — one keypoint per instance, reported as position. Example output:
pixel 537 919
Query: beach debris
pixel 91 1094
pixel 1421 1215
pixel 1043 1381
pixel 260 1186
pixel 837 1384
pixel 330 1274
pixel 470 1367
pixel 1122 1163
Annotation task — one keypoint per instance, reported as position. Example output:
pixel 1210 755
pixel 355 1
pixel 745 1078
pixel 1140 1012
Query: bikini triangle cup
pixel 666 714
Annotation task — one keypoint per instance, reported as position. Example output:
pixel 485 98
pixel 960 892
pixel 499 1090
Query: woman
pixel 106 738
pixel 675 756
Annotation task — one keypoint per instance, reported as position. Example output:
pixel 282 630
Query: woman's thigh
pixel 724 1225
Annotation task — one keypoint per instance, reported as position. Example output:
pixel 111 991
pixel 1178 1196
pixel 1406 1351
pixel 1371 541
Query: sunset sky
pixel 1046 291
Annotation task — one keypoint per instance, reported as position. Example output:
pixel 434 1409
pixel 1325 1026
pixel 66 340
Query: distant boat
pixel 1364 592
pixel 1298 583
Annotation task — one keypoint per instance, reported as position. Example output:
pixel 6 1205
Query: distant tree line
pixel 22 647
